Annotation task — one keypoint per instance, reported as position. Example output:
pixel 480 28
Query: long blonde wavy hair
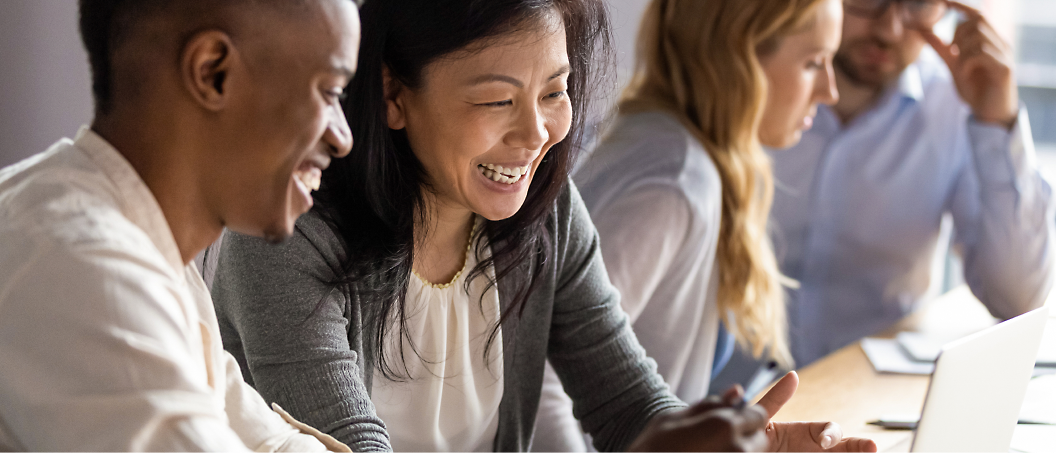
pixel 699 60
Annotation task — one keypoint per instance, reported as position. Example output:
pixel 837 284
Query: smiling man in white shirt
pixel 208 114
pixel 917 134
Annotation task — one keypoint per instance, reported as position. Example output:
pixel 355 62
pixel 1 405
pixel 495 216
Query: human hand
pixel 804 436
pixel 982 66
pixel 714 424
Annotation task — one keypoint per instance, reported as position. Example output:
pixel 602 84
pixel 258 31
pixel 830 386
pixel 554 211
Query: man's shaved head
pixel 108 25
pixel 236 102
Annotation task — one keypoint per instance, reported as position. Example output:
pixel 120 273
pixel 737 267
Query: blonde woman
pixel 680 188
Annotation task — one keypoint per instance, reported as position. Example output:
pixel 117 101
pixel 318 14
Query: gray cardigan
pixel 303 342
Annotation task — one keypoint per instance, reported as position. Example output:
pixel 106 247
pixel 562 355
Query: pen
pixel 912 424
pixel 762 378
pixel 740 403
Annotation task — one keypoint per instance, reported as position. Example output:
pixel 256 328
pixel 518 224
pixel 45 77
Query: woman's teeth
pixel 506 175
pixel 310 179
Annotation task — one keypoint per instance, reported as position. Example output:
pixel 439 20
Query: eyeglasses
pixel 919 14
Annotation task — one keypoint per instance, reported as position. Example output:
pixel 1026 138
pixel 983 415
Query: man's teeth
pixel 506 175
pixel 310 179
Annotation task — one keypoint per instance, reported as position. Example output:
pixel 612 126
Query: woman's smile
pixel 504 175
pixel 480 157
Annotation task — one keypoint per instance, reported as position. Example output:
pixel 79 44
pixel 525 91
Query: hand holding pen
pixel 725 423
pixel 728 423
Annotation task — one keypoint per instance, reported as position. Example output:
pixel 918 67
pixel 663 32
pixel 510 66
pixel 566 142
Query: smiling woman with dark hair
pixel 449 256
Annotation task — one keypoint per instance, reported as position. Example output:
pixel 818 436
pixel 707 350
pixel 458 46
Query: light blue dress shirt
pixel 858 211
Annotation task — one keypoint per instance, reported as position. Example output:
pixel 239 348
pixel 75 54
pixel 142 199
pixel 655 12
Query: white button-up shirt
pixel 858 208
pixel 108 341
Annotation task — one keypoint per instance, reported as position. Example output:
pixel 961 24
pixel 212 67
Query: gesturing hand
pixel 804 436
pixel 982 66
pixel 714 424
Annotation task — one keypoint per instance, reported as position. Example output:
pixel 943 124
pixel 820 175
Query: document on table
pixel 888 357
pixel 1032 438
pixel 915 352
pixel 1039 404
pixel 1039 407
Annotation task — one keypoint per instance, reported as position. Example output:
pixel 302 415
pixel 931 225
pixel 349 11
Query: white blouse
pixel 451 400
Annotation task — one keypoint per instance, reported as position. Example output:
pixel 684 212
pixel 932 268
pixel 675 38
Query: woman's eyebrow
pixel 488 78
pixel 343 70
pixel 564 70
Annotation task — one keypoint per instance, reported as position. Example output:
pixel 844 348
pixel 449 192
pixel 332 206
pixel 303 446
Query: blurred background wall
pixel 45 88
pixel 1036 52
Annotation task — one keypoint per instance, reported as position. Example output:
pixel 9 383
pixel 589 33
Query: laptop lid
pixel 977 389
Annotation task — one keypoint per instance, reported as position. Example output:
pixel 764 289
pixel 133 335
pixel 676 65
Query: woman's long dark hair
pixel 373 197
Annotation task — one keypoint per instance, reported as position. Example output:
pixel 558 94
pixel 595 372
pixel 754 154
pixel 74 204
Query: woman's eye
pixel 557 94
pixel 337 95
pixel 815 64
pixel 498 104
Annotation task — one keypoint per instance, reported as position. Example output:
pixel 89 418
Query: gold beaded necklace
pixel 465 261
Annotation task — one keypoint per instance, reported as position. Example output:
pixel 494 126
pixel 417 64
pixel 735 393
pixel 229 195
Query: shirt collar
pixel 909 86
pixel 910 83
pixel 137 201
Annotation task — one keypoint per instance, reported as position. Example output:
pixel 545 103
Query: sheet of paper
pixel 888 357
pixel 925 346
pixel 919 346
pixel 1033 438
pixel 1039 404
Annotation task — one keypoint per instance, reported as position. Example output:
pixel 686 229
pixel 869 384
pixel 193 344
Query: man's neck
pixel 855 98
pixel 170 177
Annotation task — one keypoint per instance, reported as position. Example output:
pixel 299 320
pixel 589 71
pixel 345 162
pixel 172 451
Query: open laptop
pixel 977 389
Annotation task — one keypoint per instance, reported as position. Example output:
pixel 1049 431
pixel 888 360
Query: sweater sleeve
pixel 291 323
pixel 614 386
pixel 643 232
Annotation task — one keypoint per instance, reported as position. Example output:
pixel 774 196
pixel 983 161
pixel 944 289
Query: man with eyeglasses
pixel 917 136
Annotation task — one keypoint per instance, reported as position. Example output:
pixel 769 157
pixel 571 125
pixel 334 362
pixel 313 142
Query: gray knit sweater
pixel 303 342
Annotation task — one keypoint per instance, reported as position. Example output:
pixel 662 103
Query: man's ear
pixel 394 101
pixel 205 66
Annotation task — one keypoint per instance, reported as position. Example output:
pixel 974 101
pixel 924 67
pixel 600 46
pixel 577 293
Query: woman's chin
pixel 497 201
pixel 784 142
pixel 500 211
